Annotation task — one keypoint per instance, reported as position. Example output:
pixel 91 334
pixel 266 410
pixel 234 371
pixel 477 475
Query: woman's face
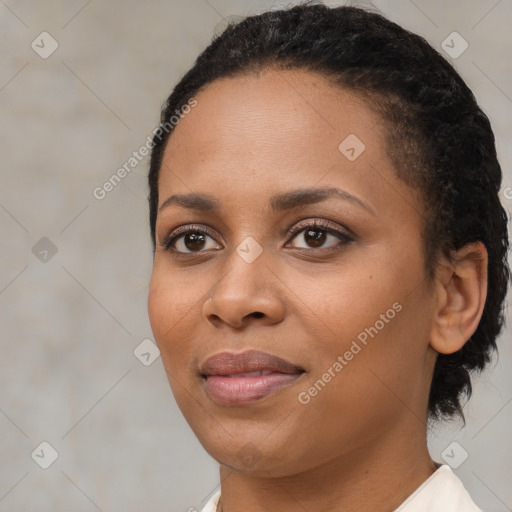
pixel 346 302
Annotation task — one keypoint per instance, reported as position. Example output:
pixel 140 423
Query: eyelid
pixel 183 230
pixel 341 232
pixel 323 224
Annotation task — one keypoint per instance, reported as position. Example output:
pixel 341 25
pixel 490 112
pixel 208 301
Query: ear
pixel 461 292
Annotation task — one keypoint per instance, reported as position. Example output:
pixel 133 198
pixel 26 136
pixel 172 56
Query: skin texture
pixel 360 442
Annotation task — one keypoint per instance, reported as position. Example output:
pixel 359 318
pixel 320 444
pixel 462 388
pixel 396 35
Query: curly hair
pixel 438 139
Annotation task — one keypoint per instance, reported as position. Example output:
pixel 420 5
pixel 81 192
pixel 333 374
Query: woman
pixel 330 260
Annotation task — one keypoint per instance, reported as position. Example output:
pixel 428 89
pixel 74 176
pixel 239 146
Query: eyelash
pixel 316 225
pixel 324 226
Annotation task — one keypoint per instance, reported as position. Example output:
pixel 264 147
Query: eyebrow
pixel 278 202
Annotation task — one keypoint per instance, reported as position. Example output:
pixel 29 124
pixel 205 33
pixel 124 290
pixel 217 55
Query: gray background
pixel 70 323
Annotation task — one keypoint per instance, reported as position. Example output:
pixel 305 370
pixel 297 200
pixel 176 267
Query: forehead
pixel 298 111
pixel 251 135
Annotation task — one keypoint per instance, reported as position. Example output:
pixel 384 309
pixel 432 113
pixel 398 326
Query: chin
pixel 252 458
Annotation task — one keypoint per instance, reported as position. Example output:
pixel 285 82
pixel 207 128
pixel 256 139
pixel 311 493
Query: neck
pixel 376 477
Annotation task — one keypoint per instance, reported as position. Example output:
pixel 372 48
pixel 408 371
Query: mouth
pixel 237 378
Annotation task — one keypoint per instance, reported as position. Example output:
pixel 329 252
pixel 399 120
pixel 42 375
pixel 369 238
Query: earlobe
pixel 461 292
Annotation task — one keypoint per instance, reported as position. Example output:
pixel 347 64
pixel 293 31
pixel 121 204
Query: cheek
pixel 370 316
pixel 171 323
pixel 159 307
pixel 338 305
pixel 169 310
pixel 378 363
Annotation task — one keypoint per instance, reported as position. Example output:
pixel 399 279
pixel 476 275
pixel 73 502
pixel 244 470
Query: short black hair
pixel 438 139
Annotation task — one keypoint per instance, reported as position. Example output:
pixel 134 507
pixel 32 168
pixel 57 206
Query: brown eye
pixel 319 235
pixel 315 238
pixel 190 240
pixel 194 241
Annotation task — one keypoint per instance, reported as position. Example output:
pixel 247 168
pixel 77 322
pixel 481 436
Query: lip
pixel 231 363
pixel 225 382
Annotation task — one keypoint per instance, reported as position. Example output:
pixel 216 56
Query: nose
pixel 245 294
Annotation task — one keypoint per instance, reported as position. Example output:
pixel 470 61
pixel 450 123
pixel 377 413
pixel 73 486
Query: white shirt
pixel 441 492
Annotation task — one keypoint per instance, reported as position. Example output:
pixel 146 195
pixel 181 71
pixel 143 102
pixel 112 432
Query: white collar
pixel 441 492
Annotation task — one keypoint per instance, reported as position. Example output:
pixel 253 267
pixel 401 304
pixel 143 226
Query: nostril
pixel 258 314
